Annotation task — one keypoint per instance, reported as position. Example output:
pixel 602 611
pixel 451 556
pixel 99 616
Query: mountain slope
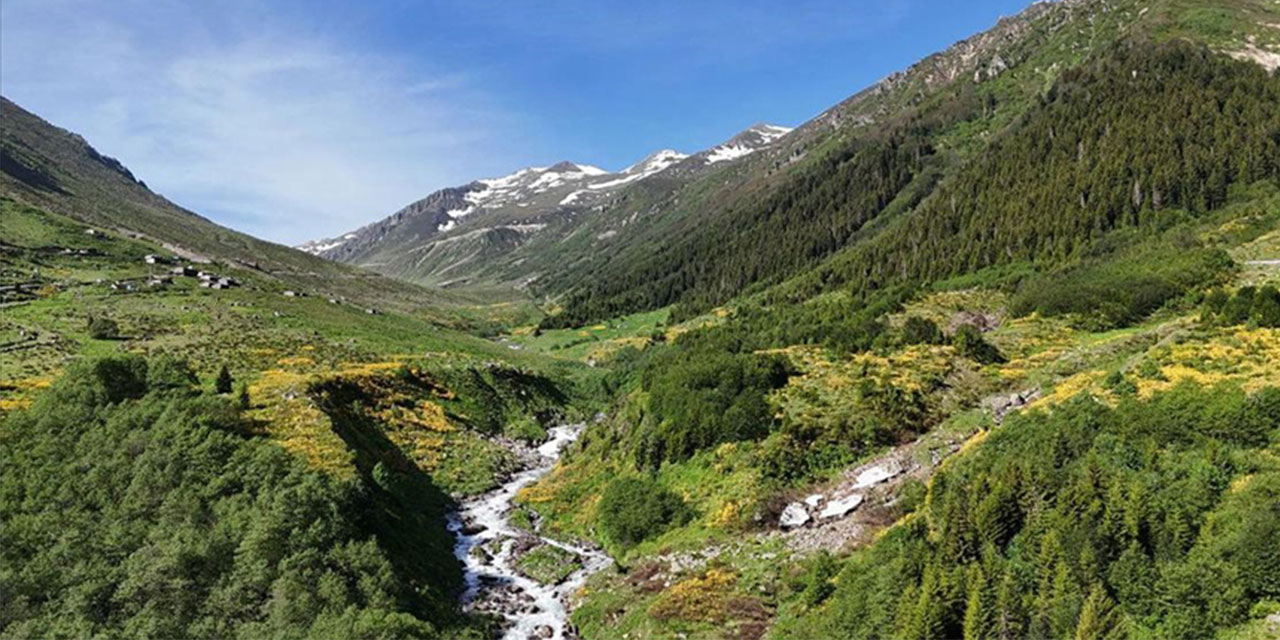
pixel 879 155
pixel 52 168
pixel 502 229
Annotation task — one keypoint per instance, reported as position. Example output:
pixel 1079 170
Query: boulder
pixel 795 515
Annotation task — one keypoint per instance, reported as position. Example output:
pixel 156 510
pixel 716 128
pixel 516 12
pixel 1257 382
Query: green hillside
pixel 990 350
pixel 934 147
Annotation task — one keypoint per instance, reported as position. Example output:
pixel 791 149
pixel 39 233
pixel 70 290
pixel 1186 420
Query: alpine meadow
pixel 988 350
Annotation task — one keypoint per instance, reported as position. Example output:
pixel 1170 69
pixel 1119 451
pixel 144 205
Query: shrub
pixel 634 509
pixel 103 328
pixel 969 343
pixel 1237 309
pixel 170 373
pixel 1265 310
pixel 917 330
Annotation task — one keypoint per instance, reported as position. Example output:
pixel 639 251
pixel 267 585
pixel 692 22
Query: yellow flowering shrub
pixel 701 598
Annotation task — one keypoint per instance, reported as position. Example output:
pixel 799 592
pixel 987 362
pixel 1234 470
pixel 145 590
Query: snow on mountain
pixel 753 139
pixel 317 247
pixel 655 162
pixel 527 194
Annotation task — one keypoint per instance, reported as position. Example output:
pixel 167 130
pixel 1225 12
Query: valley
pixel 989 350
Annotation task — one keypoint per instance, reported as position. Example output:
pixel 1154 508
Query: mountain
pixel 51 168
pixel 487 231
pixel 844 177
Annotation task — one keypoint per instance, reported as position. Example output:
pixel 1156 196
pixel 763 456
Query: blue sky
pixel 294 120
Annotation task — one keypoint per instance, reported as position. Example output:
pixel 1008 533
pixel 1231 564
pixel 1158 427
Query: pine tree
pixel 1009 619
pixel 243 400
pixel 978 616
pixel 1099 619
pixel 222 384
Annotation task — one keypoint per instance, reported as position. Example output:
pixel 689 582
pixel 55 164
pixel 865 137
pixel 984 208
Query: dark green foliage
pixel 1216 301
pixel 1088 522
pixel 917 330
pixel 1130 141
pixel 969 343
pixel 128 510
pixel 817 584
pixel 1265 311
pixel 635 508
pixel 700 398
pixel 490 398
pixel 1141 137
pixel 222 383
pixel 103 328
pixel 760 238
pixel 168 373
pixel 1118 290
pixel 242 397
pixel 1238 308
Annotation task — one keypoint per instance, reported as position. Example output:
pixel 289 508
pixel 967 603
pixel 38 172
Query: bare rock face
pixel 795 515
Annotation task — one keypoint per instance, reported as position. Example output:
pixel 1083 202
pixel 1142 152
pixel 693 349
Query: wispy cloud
pixel 262 126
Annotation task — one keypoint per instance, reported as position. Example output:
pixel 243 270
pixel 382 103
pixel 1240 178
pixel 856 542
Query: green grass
pixel 548 564
pixel 598 340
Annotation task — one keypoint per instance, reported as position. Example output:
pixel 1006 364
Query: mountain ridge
pixel 500 214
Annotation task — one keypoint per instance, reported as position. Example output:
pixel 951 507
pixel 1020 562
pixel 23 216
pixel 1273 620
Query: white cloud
pixel 260 126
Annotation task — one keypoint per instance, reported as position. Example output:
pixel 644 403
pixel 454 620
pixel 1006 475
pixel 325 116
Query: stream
pixel 535 610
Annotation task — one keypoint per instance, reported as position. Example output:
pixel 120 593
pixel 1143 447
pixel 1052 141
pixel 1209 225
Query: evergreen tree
pixel 1099 619
pixel 978 613
pixel 1009 616
pixel 243 400
pixel 222 383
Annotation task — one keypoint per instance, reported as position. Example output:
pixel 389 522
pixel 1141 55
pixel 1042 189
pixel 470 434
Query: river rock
pixel 814 500
pixel 543 631
pixel 840 507
pixel 795 515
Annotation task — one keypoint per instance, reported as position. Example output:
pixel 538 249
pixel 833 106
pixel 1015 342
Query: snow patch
pixel 875 475
pixel 839 508
pixel 727 152
pixel 572 196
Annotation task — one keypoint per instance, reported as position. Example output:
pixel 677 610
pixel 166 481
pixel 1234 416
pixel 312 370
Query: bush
pixel 1123 288
pixel 917 330
pixel 634 509
pixel 103 328
pixel 1265 311
pixel 170 373
pixel 969 343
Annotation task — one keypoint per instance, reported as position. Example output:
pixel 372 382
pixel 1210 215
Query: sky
pixel 295 120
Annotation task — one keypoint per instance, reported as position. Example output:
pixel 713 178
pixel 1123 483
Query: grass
pixel 283 348
pixel 548 564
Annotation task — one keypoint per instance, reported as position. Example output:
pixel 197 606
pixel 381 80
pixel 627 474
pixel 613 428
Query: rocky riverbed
pixel 489 545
